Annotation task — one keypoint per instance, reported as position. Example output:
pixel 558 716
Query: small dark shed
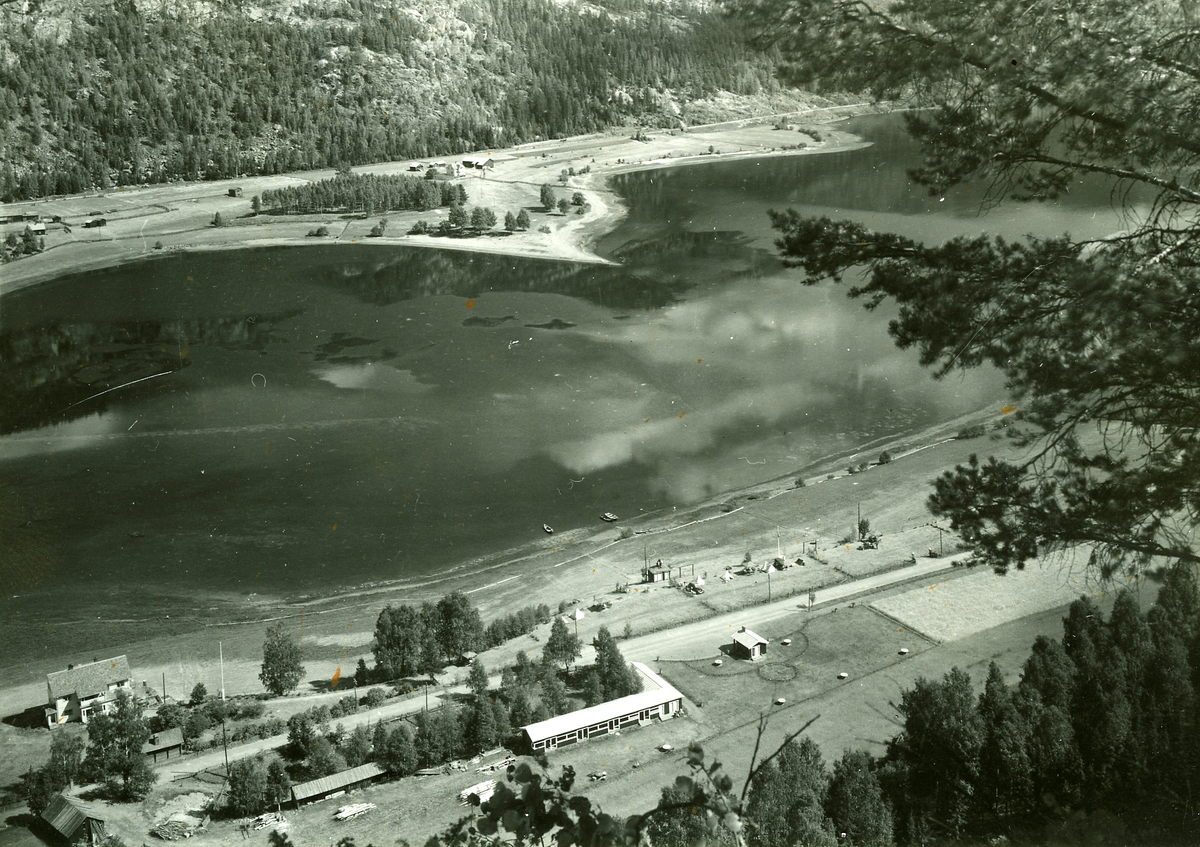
pixel 78 821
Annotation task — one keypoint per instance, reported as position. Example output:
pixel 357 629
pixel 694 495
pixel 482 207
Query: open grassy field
pixel 951 609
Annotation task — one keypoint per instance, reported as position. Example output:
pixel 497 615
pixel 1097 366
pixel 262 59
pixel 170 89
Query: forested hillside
pixel 96 93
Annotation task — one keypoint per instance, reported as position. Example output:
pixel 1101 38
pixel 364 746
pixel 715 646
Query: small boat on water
pixel 608 516
pixel 549 529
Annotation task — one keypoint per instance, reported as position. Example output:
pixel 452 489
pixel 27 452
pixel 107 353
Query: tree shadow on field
pixel 36 826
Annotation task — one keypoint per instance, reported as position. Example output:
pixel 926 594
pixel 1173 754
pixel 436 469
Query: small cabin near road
pixel 78 821
pixel 164 745
pixel 749 645
pixel 656 573
pixel 82 691
pixel 235 192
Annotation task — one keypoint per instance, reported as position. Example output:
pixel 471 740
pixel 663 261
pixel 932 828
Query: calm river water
pixel 318 417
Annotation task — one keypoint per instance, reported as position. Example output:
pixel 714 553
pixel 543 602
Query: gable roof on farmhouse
pixel 86 680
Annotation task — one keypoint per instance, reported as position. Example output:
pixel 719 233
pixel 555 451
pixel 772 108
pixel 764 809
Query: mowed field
pixel 946 610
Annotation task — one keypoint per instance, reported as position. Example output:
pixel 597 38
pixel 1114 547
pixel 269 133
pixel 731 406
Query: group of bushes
pixel 514 625
pixel 481 219
pixel 202 713
pixel 412 640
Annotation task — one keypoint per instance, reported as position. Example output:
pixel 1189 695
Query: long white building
pixel 659 700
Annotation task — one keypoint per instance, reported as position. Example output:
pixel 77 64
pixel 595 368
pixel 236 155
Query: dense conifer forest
pixel 117 92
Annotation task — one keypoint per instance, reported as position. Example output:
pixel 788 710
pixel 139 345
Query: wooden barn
pixel 78 821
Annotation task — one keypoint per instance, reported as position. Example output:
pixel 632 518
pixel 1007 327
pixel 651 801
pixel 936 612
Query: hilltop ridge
pixel 97 94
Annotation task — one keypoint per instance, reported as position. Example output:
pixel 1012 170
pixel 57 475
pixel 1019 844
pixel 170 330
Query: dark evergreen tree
pixel 1088 339
pixel 477 679
pixel 1005 787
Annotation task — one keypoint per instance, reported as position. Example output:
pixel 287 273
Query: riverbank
pixel 145 222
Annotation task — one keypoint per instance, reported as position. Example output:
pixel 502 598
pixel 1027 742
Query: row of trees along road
pixel 1099 340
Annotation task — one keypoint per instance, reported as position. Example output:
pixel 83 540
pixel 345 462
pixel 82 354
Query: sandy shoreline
pixel 584 564
pixel 155 220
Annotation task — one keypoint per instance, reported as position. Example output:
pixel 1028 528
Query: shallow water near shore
pixel 189 434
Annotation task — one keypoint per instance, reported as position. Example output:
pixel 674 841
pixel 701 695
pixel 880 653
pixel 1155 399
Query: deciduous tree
pixel 459 628
pixel 114 752
pixel 400 756
pixel 281 665
pixel 860 814
pixel 562 646
pixel 400 637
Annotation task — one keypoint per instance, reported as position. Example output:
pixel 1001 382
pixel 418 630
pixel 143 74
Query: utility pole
pixel 225 741
pixel 221 651
pixel 164 685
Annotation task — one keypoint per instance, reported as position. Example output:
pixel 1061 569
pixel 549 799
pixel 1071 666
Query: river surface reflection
pixel 291 420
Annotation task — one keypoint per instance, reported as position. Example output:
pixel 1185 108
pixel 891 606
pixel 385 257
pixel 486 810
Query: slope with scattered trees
pixel 95 94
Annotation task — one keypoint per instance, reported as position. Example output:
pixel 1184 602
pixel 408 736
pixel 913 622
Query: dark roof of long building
pixel 164 740
pixel 67 814
pixel 89 679
pixel 335 781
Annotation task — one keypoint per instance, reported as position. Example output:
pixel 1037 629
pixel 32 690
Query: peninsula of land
pixel 142 222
